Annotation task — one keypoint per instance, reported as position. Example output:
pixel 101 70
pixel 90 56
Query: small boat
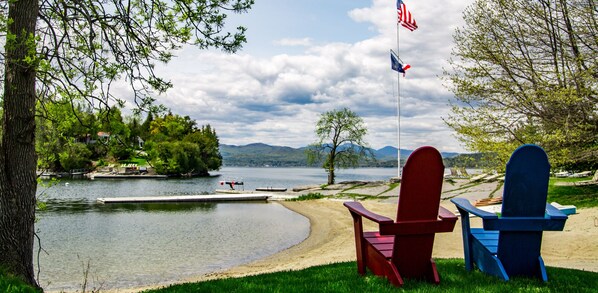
pixel 272 189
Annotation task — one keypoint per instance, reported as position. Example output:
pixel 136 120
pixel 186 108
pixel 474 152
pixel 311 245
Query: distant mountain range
pixel 259 155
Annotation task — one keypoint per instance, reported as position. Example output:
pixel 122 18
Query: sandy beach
pixel 331 240
pixel 331 237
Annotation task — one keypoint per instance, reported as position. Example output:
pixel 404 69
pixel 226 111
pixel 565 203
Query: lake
pixel 129 245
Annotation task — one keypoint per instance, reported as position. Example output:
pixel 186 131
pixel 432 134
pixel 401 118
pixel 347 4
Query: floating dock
pixel 271 189
pixel 186 198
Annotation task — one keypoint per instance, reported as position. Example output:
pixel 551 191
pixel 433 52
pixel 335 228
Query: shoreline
pixel 331 240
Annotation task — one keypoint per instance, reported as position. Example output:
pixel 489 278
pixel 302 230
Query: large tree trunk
pixel 17 151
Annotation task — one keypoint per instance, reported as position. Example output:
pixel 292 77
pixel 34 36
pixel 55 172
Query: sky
pixel 306 57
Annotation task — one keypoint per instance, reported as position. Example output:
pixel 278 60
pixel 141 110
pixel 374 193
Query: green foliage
pixel 75 156
pixel 473 161
pixel 177 146
pixel 309 196
pixel 69 138
pixel 525 72
pixel 59 127
pixel 343 277
pixel 340 142
pixel 11 284
pixel 100 42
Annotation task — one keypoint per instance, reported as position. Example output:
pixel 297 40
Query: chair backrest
pixel 421 185
pixel 526 183
pixel 525 192
pixel 419 198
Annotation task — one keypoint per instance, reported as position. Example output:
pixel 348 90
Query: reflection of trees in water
pixel 84 205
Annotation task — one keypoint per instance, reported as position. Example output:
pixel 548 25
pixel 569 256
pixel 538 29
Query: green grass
pixel 343 277
pixel 10 284
pixel 309 196
pixel 580 196
pixel 136 160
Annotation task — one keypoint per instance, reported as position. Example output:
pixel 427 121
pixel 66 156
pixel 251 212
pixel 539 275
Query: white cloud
pixel 304 42
pixel 277 99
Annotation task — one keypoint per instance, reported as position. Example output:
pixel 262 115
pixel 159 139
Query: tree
pixel 340 141
pixel 177 146
pixel 59 126
pixel 526 72
pixel 56 49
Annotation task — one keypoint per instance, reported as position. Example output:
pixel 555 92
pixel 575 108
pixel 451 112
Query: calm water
pixel 130 245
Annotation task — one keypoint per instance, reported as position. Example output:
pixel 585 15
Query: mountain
pixel 260 154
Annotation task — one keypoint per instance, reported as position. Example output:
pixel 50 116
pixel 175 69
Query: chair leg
pixel 433 275
pixel 467 239
pixel 360 245
pixel 542 269
pixel 361 262
pixel 380 266
pixel 393 275
pixel 487 262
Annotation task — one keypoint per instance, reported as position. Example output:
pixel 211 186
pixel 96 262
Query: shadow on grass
pixel 343 277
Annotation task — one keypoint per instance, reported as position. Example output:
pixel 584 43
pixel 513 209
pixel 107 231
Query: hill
pixel 260 155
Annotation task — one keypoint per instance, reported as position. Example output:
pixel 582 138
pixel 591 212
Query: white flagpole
pixel 398 109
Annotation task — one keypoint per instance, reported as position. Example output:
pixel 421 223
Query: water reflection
pixel 132 245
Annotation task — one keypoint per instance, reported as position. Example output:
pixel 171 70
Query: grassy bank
pixel 584 196
pixel 10 284
pixel 343 277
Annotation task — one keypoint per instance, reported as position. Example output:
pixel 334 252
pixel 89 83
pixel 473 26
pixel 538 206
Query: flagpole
pixel 398 111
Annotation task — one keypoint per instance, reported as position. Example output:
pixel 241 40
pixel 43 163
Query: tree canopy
pixel 174 145
pixel 341 141
pixel 177 146
pixel 527 72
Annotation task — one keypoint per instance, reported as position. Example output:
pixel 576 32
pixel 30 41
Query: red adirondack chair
pixel 403 248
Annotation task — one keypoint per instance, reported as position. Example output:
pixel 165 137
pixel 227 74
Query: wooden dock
pixel 185 198
pixel 271 189
pixel 122 176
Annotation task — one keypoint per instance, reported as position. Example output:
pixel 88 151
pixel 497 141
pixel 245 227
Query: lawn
pixel 584 196
pixel 343 277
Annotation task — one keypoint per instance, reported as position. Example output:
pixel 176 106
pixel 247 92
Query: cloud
pixel 277 99
pixel 304 42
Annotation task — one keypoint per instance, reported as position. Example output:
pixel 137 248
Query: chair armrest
pixel 357 209
pixel 465 206
pixel 419 227
pixel 554 213
pixel 445 214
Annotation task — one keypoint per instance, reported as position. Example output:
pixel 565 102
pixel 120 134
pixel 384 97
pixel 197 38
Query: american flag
pixel 405 18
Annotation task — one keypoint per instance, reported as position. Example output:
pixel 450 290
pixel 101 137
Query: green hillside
pixel 262 155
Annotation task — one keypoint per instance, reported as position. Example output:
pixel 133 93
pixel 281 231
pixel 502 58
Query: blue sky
pixel 306 57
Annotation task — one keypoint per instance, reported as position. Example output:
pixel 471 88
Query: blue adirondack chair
pixel 509 245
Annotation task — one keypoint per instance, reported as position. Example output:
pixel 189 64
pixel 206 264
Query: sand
pixel 331 238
